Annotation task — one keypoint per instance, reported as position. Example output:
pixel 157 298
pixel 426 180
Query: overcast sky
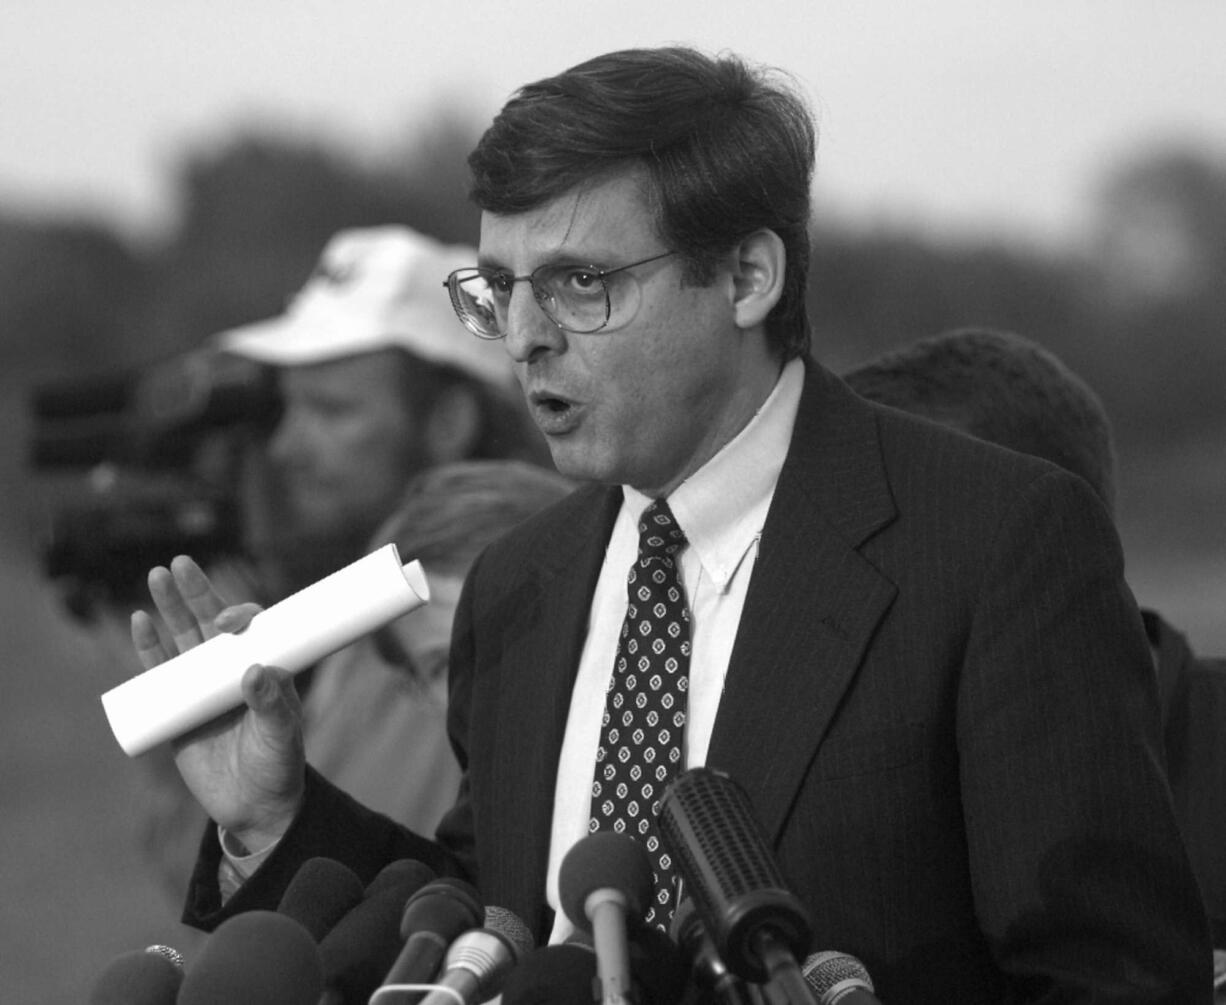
pixel 955 114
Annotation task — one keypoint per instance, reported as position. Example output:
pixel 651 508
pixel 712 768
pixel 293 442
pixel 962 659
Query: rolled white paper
pixel 200 684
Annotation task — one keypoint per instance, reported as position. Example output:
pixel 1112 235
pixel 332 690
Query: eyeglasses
pixel 577 298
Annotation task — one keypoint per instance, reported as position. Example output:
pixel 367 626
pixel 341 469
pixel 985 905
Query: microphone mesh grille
pixel 724 859
pixel 706 811
pixel 832 974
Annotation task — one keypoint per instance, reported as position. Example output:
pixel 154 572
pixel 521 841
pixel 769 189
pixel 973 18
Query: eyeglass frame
pixel 452 284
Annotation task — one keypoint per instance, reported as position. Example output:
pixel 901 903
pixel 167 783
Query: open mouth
pixel 550 403
pixel 554 415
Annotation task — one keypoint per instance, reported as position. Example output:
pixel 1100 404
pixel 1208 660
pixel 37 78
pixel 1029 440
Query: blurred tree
pixel 1161 249
pixel 70 295
pixel 258 211
pixel 1161 227
pixel 872 291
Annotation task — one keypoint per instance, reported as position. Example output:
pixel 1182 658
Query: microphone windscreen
pixel 833 976
pixel 446 906
pixel 605 860
pixel 322 892
pixel 717 844
pixel 512 930
pixel 140 977
pixel 434 917
pixel 358 950
pixel 553 975
pixel 257 958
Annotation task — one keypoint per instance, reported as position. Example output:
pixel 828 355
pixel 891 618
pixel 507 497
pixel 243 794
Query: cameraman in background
pixel 377 382
pixel 366 380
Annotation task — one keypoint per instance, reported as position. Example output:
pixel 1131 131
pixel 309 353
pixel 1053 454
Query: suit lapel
pixel 813 602
pixel 538 662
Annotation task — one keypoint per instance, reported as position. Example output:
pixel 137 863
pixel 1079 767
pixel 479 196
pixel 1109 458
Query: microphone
pixel 710 972
pixel 150 976
pixel 435 915
pixel 553 975
pixel 839 977
pixel 566 973
pixel 759 927
pixel 364 943
pixel 479 960
pixel 320 894
pixel 605 882
pixel 257 958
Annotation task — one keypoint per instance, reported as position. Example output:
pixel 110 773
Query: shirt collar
pixel 722 506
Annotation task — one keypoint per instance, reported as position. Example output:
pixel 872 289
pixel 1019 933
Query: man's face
pixel 645 403
pixel 346 443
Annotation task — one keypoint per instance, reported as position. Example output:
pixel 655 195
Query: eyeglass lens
pixel 575 299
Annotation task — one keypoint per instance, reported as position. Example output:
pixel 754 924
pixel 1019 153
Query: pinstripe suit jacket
pixel 940 700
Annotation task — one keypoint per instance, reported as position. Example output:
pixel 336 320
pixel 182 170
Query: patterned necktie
pixel 644 718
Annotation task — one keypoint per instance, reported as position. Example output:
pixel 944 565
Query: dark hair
pixel 727 150
pixel 1003 388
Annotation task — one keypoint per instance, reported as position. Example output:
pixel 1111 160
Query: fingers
pixel 146 641
pixel 197 592
pixel 236 618
pixel 186 601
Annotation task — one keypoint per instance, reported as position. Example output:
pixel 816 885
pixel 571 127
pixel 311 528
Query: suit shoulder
pixel 554 528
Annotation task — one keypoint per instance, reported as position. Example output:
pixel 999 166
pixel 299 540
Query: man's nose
pixel 283 441
pixel 530 332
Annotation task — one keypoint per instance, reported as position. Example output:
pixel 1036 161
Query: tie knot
pixel 659 534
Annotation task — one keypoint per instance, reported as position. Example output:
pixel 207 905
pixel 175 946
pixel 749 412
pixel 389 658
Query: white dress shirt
pixel 721 508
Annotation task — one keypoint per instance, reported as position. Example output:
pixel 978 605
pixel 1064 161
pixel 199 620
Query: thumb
pixel 270 693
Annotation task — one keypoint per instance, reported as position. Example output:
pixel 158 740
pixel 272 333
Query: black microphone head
pixel 321 893
pixel 605 860
pixel 566 974
pixel 257 958
pixel 657 967
pixel 361 946
pixel 406 874
pixel 831 975
pixel 553 975
pixel 446 906
pixel 510 927
pixel 141 977
pixel 717 844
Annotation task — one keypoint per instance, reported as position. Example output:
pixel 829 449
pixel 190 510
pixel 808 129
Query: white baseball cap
pixel 374 288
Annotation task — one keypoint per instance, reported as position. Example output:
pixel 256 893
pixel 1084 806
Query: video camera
pixel 153 458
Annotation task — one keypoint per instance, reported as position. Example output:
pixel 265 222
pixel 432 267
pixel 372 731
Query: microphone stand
pixel 786 983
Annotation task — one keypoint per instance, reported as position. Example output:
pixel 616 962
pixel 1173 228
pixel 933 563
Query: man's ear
pixel 453 425
pixel 758 268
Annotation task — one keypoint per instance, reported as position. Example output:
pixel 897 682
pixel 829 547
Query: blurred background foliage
pixel 1140 311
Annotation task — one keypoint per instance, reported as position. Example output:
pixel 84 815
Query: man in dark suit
pixel 915 651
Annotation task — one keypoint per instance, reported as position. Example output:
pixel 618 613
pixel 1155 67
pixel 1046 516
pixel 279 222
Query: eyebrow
pixel 598 262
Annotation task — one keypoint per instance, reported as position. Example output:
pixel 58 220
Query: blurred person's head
pixel 644 243
pixel 377 380
pixel 1000 387
pixel 445 519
